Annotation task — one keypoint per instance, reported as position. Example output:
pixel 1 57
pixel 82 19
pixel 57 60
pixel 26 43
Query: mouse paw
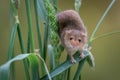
pixel 73 61
pixel 81 55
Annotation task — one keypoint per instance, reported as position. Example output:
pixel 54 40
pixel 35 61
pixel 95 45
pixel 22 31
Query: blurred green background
pixel 106 50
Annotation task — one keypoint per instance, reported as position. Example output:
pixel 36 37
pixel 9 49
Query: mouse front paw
pixel 73 61
pixel 81 55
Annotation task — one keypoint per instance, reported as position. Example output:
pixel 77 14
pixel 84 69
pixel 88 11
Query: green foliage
pixel 45 11
pixel 5 68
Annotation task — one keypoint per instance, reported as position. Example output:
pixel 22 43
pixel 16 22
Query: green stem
pixel 69 71
pixel 100 21
pixel 80 77
pixel 38 26
pixel 105 35
pixel 11 48
pixel 30 24
pixel 45 40
pixel 78 72
pixel 23 51
pixel 28 43
pixel 12 41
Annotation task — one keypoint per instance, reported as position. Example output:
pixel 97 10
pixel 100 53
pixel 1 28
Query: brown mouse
pixel 72 32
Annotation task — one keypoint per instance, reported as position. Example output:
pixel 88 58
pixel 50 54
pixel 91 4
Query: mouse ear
pixel 83 35
pixel 68 31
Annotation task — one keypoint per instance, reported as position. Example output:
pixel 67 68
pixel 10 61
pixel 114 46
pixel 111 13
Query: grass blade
pixel 34 66
pixel 49 77
pixel 23 51
pixel 106 34
pixel 78 72
pixel 100 21
pixel 30 30
pixel 12 41
pixel 5 68
pixel 64 66
pixel 43 15
pixel 38 26
pixel 90 60
pixel 42 10
pixel 45 41
pixel 11 47
pixel 69 73
pixel 51 56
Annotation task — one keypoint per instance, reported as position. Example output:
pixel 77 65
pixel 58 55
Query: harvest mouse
pixel 72 32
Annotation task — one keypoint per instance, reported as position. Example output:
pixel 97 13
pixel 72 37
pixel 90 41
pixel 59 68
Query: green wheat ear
pixel 53 28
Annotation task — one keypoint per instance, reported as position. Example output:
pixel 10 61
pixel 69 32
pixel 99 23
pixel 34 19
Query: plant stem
pixel 23 51
pixel 100 21
pixel 11 48
pixel 105 35
pixel 45 40
pixel 12 41
pixel 38 26
pixel 30 24
pixel 69 71
pixel 78 72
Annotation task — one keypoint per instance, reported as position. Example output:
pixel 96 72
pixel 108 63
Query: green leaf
pixel 64 66
pixel 11 46
pixel 38 25
pixel 78 71
pixel 100 21
pixel 90 59
pixel 49 77
pixel 12 41
pixel 34 66
pixel 30 30
pixel 5 68
pixel 23 51
pixel 51 56
pixel 42 10
pixel 106 35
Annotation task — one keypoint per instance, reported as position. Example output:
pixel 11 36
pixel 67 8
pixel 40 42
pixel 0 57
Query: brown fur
pixel 71 25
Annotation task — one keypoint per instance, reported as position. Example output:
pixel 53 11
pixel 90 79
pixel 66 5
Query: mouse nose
pixel 74 43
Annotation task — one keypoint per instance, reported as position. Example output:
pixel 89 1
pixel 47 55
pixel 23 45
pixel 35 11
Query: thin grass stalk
pixel 80 77
pixel 106 34
pixel 14 12
pixel 48 74
pixel 12 41
pixel 64 75
pixel 51 57
pixel 68 76
pixel 78 72
pixel 11 49
pixel 30 30
pixel 100 21
pixel 65 65
pixel 65 72
pixel 23 51
pixel 28 43
pixel 30 24
pixel 45 40
pixel 38 26
pixel 11 18
pixel 39 36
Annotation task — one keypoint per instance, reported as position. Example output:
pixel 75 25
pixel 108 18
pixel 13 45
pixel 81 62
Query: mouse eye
pixel 79 40
pixel 71 38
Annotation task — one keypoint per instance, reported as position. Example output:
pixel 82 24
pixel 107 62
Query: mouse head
pixel 75 39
